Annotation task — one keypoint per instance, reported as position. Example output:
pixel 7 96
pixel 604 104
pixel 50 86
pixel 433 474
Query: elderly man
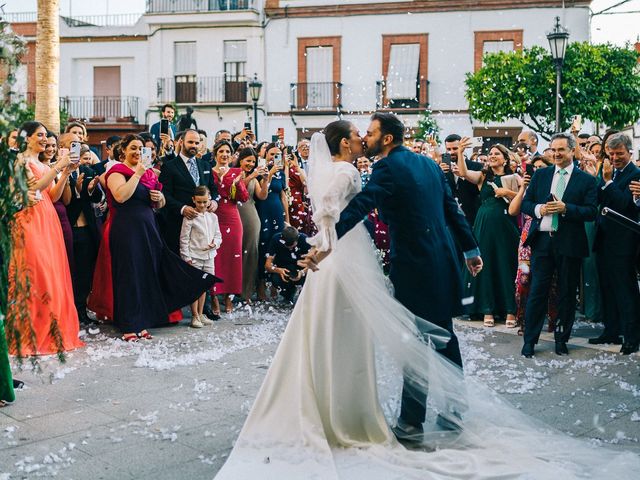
pixel 560 199
pixel 303 153
pixel 617 247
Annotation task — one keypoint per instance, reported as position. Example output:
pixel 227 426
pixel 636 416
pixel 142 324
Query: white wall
pixel 451 54
pixel 77 60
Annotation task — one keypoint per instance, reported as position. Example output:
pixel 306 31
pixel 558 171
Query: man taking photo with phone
pixel 165 126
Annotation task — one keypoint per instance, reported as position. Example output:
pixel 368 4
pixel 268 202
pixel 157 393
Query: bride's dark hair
pixel 335 132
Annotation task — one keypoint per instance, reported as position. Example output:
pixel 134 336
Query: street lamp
pixel 255 87
pixel 558 40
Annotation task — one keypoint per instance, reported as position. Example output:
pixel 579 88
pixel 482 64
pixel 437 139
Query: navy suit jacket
pixel 155 131
pixel 414 199
pixel 178 187
pixel 580 197
pixel 617 239
pixel 82 203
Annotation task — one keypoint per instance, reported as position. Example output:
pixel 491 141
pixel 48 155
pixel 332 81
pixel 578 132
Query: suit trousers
pixel 545 261
pixel 85 252
pixel 620 295
pixel 413 408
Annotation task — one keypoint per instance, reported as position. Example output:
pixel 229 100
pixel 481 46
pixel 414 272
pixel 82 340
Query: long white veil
pixel 284 438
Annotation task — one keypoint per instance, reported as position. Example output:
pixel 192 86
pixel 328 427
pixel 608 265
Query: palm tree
pixel 48 64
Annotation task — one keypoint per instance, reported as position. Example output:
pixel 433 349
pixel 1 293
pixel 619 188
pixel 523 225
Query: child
pixel 199 240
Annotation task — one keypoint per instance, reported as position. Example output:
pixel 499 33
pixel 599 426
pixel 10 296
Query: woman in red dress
pixel 228 261
pixel 299 214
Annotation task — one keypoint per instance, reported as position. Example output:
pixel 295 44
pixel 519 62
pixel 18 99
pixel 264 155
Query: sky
pixel 617 29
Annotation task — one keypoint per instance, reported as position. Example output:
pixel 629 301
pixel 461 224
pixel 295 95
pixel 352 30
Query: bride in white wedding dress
pixel 333 389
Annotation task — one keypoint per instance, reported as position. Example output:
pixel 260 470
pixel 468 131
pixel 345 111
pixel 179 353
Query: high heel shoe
pixel 215 305
pixel 228 304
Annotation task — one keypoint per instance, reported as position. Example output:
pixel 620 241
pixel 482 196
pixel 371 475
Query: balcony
pixel 417 98
pixel 118 20
pixel 316 97
pixel 101 109
pixel 184 89
pixel 198 6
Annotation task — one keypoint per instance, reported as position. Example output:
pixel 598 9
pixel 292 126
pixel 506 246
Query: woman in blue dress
pixel 273 211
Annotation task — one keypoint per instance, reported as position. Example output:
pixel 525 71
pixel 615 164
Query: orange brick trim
pixel 303 44
pixel 495 36
pixel 423 40
pixel 273 9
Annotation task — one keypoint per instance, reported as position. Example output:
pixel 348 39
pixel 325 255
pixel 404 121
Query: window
pixel 235 59
pixel 185 71
pixel 319 77
pixel 402 76
pixel 318 84
pixel 404 71
pixel 496 41
pixel 497 46
pixel 235 62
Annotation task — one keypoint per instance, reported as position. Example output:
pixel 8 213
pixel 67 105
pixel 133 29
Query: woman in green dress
pixel 6 380
pixel 493 289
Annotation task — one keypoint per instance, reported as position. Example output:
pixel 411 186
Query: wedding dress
pixel 333 388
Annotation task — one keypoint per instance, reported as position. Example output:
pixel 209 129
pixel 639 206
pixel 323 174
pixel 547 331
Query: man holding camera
pixel 285 250
pixel 165 125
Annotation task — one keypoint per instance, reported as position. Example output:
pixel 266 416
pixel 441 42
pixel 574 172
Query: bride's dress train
pixel 319 413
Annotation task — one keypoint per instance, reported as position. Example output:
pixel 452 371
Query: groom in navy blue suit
pixel 415 201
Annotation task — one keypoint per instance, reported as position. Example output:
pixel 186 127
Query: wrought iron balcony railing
pixel 194 6
pixel 402 96
pixel 101 109
pixel 194 89
pixel 316 96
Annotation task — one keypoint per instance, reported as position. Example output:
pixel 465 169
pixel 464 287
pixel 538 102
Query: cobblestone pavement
pixel 172 407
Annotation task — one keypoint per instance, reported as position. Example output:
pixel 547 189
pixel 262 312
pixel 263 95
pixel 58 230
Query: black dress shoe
pixel 561 348
pixel 601 340
pixel 629 348
pixel 452 422
pixel 527 350
pixel 209 313
pixel 408 433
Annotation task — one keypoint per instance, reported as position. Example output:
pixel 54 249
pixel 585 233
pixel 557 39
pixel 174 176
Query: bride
pixel 329 399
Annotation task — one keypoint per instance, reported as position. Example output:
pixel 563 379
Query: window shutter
pixel 402 75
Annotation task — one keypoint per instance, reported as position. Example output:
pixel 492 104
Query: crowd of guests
pixel 164 221
pixel 545 242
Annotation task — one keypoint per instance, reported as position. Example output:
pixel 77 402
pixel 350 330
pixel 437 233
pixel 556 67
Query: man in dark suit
pixel 530 139
pixel 559 199
pixel 85 190
pixel 617 247
pixel 179 178
pixel 466 193
pixel 424 265
pixel 167 113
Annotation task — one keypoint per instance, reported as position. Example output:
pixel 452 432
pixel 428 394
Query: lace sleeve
pixel 328 210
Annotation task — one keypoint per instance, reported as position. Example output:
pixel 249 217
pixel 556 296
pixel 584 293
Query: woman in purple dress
pixel 149 280
pixel 49 157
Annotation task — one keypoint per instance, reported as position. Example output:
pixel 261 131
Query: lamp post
pixel 255 87
pixel 558 40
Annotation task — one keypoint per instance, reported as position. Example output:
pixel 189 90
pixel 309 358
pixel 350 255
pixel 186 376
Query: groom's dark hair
pixel 390 124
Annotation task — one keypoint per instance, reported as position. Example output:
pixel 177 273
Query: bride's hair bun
pixel 335 132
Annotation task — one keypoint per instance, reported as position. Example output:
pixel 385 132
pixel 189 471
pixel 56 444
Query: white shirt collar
pixel 568 168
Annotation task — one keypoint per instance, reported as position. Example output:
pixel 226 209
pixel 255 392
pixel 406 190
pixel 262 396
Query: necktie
pixel 560 186
pixel 615 174
pixel 193 170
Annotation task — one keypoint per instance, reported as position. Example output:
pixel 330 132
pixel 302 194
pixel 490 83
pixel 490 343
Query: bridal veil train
pixel 333 389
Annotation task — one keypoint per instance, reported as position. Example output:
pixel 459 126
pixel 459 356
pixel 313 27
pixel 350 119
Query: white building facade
pixel 318 60
pixel 347 58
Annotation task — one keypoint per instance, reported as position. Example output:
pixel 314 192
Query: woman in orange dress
pixel 49 324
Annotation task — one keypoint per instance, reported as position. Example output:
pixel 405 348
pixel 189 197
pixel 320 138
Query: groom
pixel 413 198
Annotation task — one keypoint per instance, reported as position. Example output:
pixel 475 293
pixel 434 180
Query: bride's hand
pixel 311 260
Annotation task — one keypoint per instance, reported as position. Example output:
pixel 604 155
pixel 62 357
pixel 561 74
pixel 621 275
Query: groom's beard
pixel 374 150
